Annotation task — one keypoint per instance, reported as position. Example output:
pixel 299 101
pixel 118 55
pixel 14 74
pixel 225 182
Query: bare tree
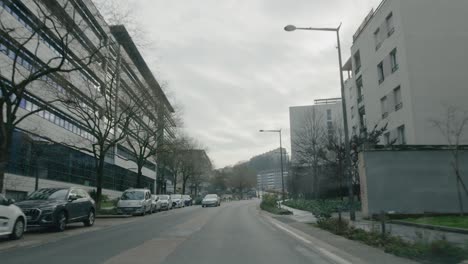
pixel 453 127
pixel 241 177
pixel 31 65
pixel 310 145
pixel 105 113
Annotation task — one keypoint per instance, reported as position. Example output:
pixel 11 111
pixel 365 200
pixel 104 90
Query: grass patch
pixel 435 252
pixel 449 221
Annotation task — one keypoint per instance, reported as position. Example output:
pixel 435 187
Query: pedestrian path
pixel 300 215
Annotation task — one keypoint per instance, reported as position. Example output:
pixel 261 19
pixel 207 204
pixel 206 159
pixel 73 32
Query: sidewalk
pixel 299 215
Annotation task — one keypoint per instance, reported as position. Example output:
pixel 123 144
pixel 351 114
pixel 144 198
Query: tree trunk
pixel 139 176
pixel 175 182
pixel 99 177
pixel 184 182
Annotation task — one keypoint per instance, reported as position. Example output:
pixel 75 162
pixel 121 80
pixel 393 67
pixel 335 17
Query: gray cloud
pixel 234 69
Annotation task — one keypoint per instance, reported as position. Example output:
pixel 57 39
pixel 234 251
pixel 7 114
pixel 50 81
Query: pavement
pixel 237 232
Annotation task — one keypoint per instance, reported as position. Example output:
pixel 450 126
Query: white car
pixel 211 200
pixel 166 202
pixel 12 219
pixel 135 202
pixel 156 204
pixel 177 201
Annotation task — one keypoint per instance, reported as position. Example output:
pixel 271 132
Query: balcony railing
pixel 398 106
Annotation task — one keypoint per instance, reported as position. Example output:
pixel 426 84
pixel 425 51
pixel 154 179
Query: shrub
pixel 93 195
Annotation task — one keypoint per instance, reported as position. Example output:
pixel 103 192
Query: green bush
pixel 270 203
pixel 437 251
pixel 93 195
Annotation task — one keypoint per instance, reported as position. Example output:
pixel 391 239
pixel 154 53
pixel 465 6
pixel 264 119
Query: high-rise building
pixel 50 143
pixel 407 66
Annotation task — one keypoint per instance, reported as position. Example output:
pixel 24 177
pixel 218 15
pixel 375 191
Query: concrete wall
pixel 410 181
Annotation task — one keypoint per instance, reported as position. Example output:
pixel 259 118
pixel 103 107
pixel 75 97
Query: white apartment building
pixel 408 64
pixel 55 164
pixel 327 113
pixel 271 180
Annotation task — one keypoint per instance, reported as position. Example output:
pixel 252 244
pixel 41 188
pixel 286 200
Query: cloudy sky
pixel 233 70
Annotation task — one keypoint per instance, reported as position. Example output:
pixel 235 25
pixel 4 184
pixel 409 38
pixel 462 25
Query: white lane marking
pixel 293 234
pixel 333 256
pixel 325 252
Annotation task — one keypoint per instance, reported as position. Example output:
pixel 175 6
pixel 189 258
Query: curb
pixel 113 216
pixel 432 227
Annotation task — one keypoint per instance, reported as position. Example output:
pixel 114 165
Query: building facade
pixel 327 114
pixel 270 180
pixel 52 144
pixel 407 67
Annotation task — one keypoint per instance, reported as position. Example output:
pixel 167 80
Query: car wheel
pixel 18 229
pixel 61 221
pixel 91 218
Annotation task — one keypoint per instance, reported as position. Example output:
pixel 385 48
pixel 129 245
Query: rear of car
pixel 211 200
pixel 12 220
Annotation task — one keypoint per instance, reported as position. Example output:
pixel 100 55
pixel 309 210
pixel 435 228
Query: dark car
pixel 187 200
pixel 55 207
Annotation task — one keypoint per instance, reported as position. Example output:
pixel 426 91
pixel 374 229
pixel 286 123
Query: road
pixel 236 232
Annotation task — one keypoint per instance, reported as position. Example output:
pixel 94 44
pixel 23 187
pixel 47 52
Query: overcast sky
pixel 233 68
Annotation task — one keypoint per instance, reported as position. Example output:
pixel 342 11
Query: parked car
pixel 166 202
pixel 187 200
pixel 211 200
pixel 56 207
pixel 177 201
pixel 135 202
pixel 12 219
pixel 156 204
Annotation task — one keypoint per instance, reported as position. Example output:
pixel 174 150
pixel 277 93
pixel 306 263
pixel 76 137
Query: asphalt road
pixel 236 233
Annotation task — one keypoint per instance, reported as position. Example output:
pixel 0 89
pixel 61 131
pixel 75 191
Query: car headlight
pixel 48 210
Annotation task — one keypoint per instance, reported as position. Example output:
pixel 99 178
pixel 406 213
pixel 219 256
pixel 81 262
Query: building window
pixel 389 23
pixel 357 62
pixel 393 60
pixel 383 106
pixel 377 39
pixel 380 72
pixel 359 89
pixel 329 114
pixel 387 138
pixel 401 135
pixel 397 98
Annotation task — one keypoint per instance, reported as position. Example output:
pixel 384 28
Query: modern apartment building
pixel 407 65
pixel 270 180
pixel 48 144
pixel 325 113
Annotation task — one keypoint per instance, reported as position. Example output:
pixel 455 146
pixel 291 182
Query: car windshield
pixel 48 194
pixel 163 197
pixel 133 195
pixel 176 196
pixel 211 196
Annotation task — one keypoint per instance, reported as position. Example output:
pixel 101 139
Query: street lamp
pixel 281 158
pixel 290 28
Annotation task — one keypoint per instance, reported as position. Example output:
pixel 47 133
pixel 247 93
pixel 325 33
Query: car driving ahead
pixel 211 200
pixel 56 207
pixel 12 219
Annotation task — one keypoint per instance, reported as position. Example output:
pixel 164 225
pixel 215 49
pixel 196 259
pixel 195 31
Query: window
pixel 387 138
pixel 329 114
pixel 359 89
pixel 380 72
pixel 29 106
pixel 377 40
pixel 22 103
pixel 357 62
pixel 46 115
pixel 397 98
pixel 401 135
pixel 383 106
pixel 389 23
pixel 393 60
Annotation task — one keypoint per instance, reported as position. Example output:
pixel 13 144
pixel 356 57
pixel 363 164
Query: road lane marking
pixel 325 252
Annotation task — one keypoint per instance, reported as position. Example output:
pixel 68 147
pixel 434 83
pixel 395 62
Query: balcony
pixel 398 106
pixel 384 115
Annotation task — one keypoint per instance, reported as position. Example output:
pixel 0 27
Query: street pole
pixel 281 159
pixel 347 162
